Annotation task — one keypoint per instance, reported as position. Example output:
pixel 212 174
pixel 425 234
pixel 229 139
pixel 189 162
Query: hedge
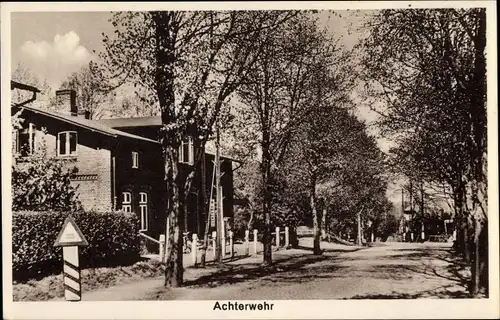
pixel 112 236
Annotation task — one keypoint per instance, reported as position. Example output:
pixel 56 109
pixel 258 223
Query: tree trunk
pixel 219 215
pixel 475 267
pixel 316 226
pixel 483 258
pixel 266 204
pixel 466 244
pixel 323 223
pixel 360 241
pixel 205 211
pixel 174 264
pixel 165 36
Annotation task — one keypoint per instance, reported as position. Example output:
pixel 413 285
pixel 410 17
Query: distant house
pixel 119 163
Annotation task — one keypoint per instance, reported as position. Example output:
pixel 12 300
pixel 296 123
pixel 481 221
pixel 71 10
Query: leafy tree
pixel 277 92
pixel 43 183
pixel 92 91
pixel 25 75
pixel 428 69
pixel 188 64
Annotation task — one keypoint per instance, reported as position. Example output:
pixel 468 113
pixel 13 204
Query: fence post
pixel 247 240
pixel 278 238
pixel 254 241
pixel 194 247
pixel 214 246
pixel 162 247
pixel 287 238
pixel 231 248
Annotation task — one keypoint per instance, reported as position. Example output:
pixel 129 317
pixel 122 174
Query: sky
pixel 55 44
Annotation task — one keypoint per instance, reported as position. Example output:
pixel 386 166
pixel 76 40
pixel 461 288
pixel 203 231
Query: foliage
pixel 25 75
pixel 428 68
pixel 112 236
pixel 282 89
pixel 188 64
pixel 41 183
pixel 92 91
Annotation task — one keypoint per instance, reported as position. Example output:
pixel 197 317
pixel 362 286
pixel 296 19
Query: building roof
pixel 87 124
pixel 152 121
pixel 106 126
pixel 132 122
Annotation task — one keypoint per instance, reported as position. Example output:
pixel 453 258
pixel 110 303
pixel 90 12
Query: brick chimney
pixel 66 102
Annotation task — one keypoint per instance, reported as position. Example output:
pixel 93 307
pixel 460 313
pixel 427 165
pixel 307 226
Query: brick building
pixel 119 163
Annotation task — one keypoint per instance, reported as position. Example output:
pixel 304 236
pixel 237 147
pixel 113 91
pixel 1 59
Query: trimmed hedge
pixel 112 236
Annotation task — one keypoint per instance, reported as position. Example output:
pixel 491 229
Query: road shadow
pixel 339 250
pixel 441 293
pixel 232 274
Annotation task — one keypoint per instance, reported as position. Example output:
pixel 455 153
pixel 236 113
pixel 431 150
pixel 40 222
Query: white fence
pixel 250 243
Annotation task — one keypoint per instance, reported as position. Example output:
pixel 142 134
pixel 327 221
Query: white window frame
pixel 189 143
pixel 31 139
pixel 127 201
pixel 68 144
pixel 135 159
pixel 143 210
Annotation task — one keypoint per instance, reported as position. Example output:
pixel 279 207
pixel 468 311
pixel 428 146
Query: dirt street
pixel 384 271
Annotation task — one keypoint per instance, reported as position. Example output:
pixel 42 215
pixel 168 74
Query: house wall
pixel 101 158
pixel 195 218
pixel 148 178
pixel 93 160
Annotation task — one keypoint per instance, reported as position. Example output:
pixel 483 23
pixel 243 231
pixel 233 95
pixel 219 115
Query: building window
pixel 24 140
pixel 127 201
pixel 135 159
pixel 66 143
pixel 143 207
pixel 186 151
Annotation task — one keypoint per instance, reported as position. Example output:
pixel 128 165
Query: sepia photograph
pixel 250 159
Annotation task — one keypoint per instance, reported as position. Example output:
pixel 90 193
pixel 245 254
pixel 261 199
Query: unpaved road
pixel 386 271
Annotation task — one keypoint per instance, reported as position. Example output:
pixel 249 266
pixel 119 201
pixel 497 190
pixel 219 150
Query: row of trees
pixel 280 88
pixel 428 69
pixel 273 76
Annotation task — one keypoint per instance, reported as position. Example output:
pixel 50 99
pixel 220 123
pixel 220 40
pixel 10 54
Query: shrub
pixel 113 240
pixel 43 183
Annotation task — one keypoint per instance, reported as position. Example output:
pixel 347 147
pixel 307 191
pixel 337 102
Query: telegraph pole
pixel 219 212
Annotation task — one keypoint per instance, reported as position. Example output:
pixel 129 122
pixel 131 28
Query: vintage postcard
pixel 250 160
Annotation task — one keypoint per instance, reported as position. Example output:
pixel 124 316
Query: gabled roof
pixel 153 121
pixel 87 124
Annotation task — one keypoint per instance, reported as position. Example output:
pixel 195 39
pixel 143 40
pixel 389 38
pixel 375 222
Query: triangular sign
pixel 70 235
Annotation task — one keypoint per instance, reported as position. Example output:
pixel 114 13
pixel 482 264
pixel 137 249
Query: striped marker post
pixel 70 238
pixel 72 283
